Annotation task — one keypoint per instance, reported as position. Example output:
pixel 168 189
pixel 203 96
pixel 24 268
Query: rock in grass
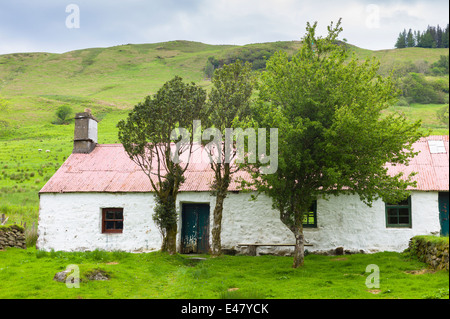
pixel 97 274
pixel 61 276
pixel 94 274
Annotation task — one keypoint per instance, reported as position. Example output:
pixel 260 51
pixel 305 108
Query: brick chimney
pixel 85 137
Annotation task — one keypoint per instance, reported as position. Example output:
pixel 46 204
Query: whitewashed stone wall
pixel 345 221
pixel 72 222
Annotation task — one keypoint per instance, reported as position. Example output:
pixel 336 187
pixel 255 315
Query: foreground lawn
pixel 29 274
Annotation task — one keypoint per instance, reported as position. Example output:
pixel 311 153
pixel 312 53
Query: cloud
pixel 27 25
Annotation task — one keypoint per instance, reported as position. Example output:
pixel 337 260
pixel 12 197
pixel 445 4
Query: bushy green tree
pixel 441 67
pixel 229 103
pixel 63 113
pixel 148 137
pixel 333 137
pixel 209 69
pixel 416 89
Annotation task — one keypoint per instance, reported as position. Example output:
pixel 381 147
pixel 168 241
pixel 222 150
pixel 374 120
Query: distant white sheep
pixel 40 150
pixel 47 151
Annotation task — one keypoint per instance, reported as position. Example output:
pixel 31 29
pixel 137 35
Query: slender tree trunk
pixel 217 227
pixel 222 182
pixel 171 239
pixel 169 226
pixel 295 224
pixel 299 252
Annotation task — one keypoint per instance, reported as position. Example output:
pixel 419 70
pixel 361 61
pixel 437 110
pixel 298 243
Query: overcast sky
pixel 63 25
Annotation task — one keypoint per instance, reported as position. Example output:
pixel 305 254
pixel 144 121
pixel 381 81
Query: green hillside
pixel 35 84
pixel 110 81
pixel 118 77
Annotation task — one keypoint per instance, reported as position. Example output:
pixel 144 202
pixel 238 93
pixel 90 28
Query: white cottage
pixel 100 199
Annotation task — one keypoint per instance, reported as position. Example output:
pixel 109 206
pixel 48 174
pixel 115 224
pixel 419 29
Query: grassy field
pixel 427 114
pixel 29 274
pixel 25 164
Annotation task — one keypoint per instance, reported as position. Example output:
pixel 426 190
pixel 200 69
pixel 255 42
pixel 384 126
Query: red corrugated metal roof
pixel 432 168
pixel 109 169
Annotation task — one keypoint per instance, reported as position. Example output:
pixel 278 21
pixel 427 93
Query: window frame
pixel 397 207
pixel 104 220
pixel 313 210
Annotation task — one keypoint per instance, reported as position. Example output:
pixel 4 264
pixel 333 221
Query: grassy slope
pixel 117 77
pixel 388 58
pixel 110 81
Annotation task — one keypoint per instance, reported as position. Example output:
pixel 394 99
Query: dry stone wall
pixel 432 251
pixel 12 236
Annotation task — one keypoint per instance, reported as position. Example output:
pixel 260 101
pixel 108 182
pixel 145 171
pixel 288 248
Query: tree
pixel 416 89
pixel 418 39
pixel 410 41
pixel 209 69
pixel 62 114
pixel 427 40
pixel 229 102
pixel 211 64
pixel 332 136
pixel 155 135
pixel 401 40
pixel 438 38
pixel 444 39
pixel 441 67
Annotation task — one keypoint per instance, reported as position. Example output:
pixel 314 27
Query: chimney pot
pixel 85 135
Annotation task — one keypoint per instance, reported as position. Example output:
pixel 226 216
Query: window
pixel 310 219
pixel 399 214
pixel 112 220
pixel 436 147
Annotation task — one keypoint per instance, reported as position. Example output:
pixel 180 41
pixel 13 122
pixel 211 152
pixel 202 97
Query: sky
pixel 59 26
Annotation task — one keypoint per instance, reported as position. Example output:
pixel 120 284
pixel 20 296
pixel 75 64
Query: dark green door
pixel 195 228
pixel 443 212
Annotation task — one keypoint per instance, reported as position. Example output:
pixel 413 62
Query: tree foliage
pixel 63 114
pixel 256 56
pixel 333 137
pixel 432 37
pixel 441 67
pixel 151 139
pixel 229 103
pixel 416 89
